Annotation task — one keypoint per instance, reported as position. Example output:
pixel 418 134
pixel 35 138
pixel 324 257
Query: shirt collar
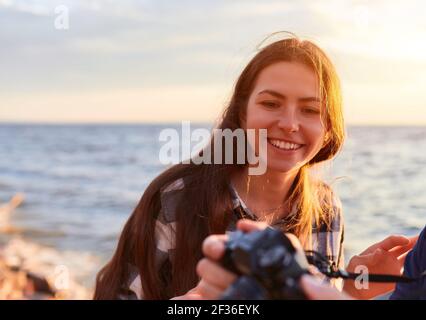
pixel 237 202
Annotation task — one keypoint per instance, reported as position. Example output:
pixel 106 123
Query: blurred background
pixel 87 86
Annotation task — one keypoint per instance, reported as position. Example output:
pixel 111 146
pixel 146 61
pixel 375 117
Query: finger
pixel 401 258
pixel 413 241
pixel 377 256
pixel 294 241
pixel 370 259
pixel 188 296
pixel 409 246
pixel 315 290
pixel 193 290
pixel 208 291
pixel 391 242
pixel 214 274
pixel 194 296
pixel 246 225
pixel 414 238
pixel 214 246
pixel 397 252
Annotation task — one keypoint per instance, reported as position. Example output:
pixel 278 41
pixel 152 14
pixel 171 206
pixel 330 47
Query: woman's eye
pixel 311 110
pixel 270 104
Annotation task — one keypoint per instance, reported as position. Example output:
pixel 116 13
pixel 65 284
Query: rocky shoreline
pixel 33 272
pixel 33 276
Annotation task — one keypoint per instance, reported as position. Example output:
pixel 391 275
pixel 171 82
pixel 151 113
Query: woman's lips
pixel 284 146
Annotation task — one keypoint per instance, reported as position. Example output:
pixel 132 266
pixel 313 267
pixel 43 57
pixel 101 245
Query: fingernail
pixel 214 246
pixel 217 247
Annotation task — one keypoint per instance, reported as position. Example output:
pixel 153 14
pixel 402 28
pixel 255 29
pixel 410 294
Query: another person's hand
pixel 384 257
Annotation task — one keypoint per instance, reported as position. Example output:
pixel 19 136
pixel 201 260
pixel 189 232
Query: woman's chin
pixel 280 168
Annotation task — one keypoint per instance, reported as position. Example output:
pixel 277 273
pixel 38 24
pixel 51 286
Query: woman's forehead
pixel 288 78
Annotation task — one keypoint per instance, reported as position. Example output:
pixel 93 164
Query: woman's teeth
pixel 284 145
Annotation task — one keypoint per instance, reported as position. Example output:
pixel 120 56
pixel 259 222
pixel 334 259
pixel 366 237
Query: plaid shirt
pixel 327 239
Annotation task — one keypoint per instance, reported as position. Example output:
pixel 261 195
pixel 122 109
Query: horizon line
pixel 111 123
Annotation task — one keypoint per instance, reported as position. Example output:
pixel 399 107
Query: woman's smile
pixel 285 146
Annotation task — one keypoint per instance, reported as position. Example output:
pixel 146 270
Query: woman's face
pixel 285 101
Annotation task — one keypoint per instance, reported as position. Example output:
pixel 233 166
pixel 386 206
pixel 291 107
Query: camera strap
pixel 374 277
pixel 331 271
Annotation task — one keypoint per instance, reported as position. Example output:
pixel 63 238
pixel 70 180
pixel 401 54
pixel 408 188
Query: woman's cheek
pixel 256 120
pixel 319 141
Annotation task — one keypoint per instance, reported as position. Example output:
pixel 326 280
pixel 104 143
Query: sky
pixel 161 61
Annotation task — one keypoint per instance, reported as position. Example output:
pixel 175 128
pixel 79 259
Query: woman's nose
pixel 288 122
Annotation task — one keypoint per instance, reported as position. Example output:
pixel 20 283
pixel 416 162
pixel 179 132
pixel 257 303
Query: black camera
pixel 268 265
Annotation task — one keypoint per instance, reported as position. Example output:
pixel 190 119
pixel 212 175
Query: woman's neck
pixel 264 192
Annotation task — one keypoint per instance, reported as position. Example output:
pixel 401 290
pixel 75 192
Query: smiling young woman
pixel 290 88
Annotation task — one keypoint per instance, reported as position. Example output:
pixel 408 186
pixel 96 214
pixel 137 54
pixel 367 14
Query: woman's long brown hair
pixel 206 204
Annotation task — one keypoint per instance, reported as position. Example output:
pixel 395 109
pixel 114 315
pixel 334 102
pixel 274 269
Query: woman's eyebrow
pixel 273 93
pixel 309 99
pixel 283 97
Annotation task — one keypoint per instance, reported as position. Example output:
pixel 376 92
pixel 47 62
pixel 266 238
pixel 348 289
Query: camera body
pixel 268 265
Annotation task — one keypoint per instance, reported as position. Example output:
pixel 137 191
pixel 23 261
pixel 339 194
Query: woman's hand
pixel 192 294
pixel 384 257
pixel 214 278
pixel 316 290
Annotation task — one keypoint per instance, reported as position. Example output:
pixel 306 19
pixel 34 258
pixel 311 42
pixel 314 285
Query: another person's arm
pixel 415 264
